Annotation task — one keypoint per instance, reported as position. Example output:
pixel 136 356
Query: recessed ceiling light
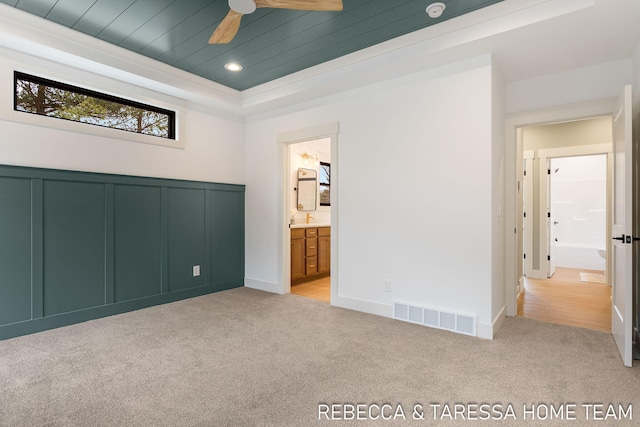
pixel 232 66
pixel 434 10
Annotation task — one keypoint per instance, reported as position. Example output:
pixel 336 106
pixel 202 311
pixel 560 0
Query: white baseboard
pixel 537 274
pixel 487 331
pixel 484 330
pixel 263 286
pixel 499 320
pixel 364 306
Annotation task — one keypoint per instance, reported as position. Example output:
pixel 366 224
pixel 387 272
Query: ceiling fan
pixel 228 28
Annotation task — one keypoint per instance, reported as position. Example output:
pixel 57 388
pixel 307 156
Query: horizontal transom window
pixel 49 98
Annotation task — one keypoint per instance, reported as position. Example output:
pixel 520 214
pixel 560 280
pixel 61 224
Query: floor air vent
pixel 460 323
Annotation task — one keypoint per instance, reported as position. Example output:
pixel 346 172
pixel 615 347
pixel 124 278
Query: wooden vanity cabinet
pixel 310 252
pixel 324 250
pixel 297 253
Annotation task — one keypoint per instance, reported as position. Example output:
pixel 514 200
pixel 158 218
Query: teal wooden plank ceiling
pixel 271 43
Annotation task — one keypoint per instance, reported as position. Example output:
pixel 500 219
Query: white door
pixel 546 265
pixel 622 215
pixel 551 226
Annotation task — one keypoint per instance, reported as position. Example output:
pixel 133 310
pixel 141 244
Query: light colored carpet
pixel 593 278
pixel 249 358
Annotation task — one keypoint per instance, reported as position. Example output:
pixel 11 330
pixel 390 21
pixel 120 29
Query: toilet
pixel 602 253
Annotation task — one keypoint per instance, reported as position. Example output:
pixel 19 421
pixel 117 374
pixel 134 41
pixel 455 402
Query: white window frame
pixel 7 112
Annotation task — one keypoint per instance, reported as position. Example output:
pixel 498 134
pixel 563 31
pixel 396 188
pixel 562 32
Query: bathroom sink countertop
pixel 313 224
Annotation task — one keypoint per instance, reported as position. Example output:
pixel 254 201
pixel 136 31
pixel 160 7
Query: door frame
pixel 513 179
pixel 285 139
pixel 526 231
pixel 544 157
pixel 537 208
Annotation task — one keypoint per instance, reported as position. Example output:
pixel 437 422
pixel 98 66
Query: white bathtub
pixel 578 256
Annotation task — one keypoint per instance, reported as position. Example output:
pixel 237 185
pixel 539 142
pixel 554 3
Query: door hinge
pixel 548 257
pixel 525 214
pixel 548 171
pixel 524 256
pixel 548 214
pixel 525 173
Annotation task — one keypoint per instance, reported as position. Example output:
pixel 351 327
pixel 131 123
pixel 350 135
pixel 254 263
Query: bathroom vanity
pixel 310 252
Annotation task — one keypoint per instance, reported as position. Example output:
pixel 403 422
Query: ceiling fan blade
pixel 227 29
pixel 328 5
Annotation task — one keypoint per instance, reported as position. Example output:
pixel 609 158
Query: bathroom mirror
pixel 307 189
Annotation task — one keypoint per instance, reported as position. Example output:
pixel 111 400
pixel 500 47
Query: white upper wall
pixel 213 146
pixel 414 189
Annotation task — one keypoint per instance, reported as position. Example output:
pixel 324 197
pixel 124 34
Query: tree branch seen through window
pixel 325 184
pixel 53 99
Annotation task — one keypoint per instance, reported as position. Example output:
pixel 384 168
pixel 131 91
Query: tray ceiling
pixel 271 43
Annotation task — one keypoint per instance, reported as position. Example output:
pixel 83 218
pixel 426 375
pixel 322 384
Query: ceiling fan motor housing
pixel 243 6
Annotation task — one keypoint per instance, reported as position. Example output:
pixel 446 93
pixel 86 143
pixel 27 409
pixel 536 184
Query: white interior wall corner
pixel 498 102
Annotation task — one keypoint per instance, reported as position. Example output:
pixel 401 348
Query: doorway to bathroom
pixel 565 188
pixel 296 146
pixel 578 222
pixel 310 218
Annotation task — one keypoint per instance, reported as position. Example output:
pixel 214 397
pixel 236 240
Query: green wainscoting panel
pixel 15 250
pixel 227 251
pixel 137 250
pixel 186 234
pixel 74 246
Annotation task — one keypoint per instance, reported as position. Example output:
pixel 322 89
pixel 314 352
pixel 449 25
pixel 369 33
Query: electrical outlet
pixel 386 285
pixel 196 270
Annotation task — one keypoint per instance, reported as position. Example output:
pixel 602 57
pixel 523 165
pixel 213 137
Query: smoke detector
pixel 434 10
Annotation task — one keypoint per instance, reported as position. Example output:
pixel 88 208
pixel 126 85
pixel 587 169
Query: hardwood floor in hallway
pixel 566 300
pixel 561 299
pixel 319 289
